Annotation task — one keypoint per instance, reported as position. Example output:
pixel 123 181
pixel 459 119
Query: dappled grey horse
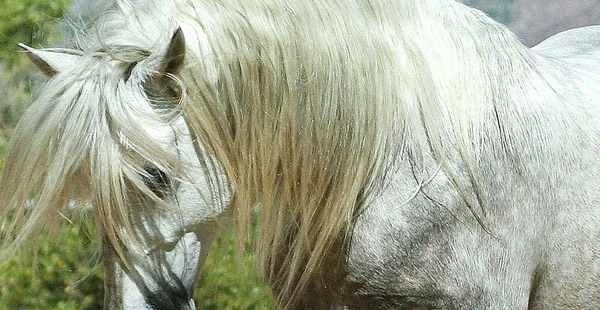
pixel 396 154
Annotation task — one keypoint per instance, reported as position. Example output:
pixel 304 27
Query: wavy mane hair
pixel 305 104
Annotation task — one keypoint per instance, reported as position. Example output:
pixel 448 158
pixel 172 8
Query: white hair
pixel 305 104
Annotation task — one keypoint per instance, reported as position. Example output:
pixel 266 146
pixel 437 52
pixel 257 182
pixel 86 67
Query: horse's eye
pixel 127 73
pixel 158 182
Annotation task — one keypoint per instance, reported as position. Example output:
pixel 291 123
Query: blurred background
pixel 66 273
pixel 536 20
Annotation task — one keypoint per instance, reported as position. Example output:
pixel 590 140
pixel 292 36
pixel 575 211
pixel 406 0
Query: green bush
pixel 61 276
pixel 67 274
pixel 28 21
pixel 227 285
pixel 23 21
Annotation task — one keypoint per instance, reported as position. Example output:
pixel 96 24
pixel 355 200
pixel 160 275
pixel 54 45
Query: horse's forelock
pixel 86 137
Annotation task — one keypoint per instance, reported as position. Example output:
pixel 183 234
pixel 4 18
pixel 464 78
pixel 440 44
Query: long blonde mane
pixel 305 104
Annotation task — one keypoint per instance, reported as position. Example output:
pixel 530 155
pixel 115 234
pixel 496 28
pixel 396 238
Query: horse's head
pixel 109 128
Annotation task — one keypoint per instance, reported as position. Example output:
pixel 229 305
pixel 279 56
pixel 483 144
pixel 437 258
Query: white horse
pixel 401 153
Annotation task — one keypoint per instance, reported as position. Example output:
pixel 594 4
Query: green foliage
pixel 230 285
pixel 61 276
pixel 29 22
pixel 15 91
pixel 66 274
pixel 3 148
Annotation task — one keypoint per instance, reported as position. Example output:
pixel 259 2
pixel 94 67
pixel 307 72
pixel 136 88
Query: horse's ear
pixel 49 62
pixel 173 60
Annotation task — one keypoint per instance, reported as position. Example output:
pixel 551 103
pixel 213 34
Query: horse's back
pixel 574 46
pixel 566 277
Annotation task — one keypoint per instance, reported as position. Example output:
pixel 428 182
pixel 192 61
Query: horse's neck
pixel 490 90
pixel 522 134
pixel 505 113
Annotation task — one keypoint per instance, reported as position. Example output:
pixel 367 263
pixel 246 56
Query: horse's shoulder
pixel 573 43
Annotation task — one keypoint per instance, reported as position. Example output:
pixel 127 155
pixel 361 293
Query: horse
pixel 395 154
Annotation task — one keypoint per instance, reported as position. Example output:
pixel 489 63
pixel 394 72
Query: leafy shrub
pixel 69 276
pixel 61 276
pixel 28 21
pixel 23 21
pixel 231 285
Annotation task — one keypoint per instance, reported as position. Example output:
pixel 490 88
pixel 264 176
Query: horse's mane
pixel 306 105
